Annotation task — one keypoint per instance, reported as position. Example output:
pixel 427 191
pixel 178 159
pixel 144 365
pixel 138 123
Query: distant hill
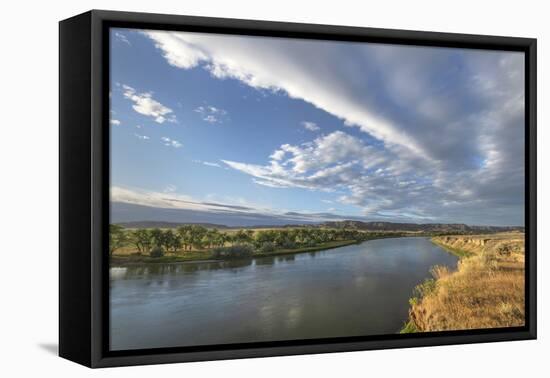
pixel 348 224
pixel 139 216
pixel 159 224
pixel 415 227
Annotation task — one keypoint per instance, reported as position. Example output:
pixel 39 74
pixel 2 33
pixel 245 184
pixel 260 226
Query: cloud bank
pixel 224 213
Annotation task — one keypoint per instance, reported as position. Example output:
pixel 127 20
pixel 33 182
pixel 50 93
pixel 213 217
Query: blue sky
pixel 327 130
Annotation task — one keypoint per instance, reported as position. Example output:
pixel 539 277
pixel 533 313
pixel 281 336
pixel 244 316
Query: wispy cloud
pixel 311 126
pixel 122 38
pixel 211 114
pixel 171 142
pixel 145 104
pixel 207 163
pixel 327 162
pixel 142 137
pixel 175 201
pixel 170 189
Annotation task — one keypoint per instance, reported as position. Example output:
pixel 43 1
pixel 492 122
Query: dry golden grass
pixel 486 291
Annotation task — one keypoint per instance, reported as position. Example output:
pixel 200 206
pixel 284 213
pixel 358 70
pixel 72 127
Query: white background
pixel 29 189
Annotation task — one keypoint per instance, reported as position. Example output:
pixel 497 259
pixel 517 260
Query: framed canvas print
pixel 234 188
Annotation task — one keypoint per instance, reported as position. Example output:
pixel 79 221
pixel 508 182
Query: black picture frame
pixel 84 187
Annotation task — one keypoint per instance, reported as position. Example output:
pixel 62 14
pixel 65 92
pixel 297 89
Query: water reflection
pixel 265 261
pixel 174 269
pixel 286 258
pixel 118 272
pixel 354 290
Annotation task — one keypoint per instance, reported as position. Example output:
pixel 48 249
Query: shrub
pixel 235 251
pixel 440 271
pixel 425 288
pixel 288 244
pixel 266 247
pixel 157 251
pixel 409 327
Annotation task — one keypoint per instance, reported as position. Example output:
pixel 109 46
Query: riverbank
pixel 485 291
pixel 200 256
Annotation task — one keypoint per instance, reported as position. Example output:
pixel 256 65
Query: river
pixel 355 290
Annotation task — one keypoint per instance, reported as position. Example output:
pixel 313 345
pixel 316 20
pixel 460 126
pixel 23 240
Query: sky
pixel 306 130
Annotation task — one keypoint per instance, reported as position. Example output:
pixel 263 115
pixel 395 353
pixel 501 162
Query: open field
pixel 486 291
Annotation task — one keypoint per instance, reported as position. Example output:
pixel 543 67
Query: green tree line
pixel 194 237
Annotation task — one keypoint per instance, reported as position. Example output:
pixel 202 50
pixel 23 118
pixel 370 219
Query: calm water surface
pixel 350 291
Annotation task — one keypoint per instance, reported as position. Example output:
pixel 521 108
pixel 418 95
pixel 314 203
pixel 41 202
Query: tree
pixel 243 236
pixel 157 251
pixel 211 237
pixel 171 241
pixel 157 237
pixel 184 233
pixel 280 238
pixel 219 238
pixel 197 235
pixel 117 238
pixel 264 236
pixel 141 238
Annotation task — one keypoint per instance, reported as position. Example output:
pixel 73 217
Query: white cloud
pixel 448 122
pixel 210 119
pixel 170 189
pixel 171 142
pixel 167 200
pixel 142 137
pixel 145 104
pixel 280 65
pixel 176 50
pixel 269 183
pixel 207 163
pixel 277 155
pixel 172 200
pixel 322 164
pixel 146 198
pixel 121 37
pixel 211 114
pixel 311 126
pixel 115 122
